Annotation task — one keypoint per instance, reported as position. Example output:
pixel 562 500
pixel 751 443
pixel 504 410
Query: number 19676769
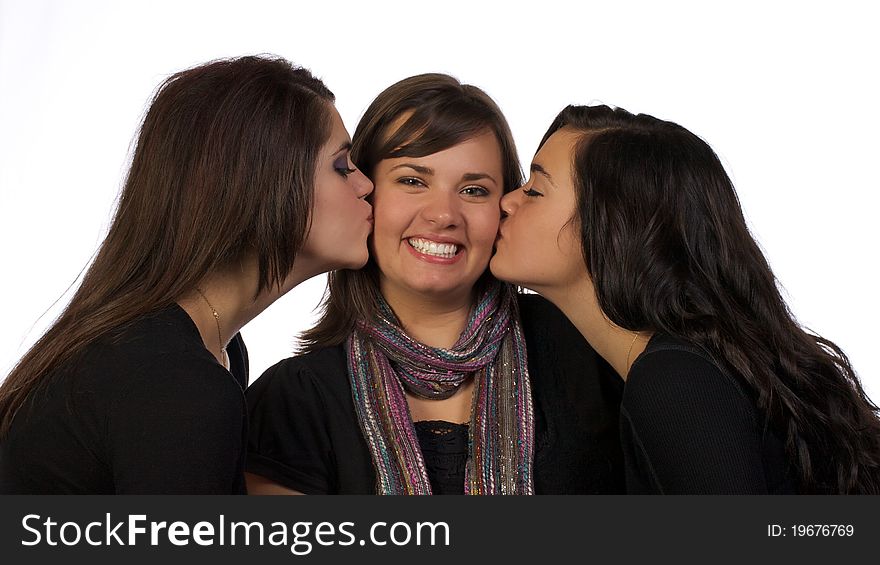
pixel 810 530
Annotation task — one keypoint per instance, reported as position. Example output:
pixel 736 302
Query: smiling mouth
pixel 445 250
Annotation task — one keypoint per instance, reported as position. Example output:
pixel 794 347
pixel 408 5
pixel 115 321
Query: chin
pixel 359 262
pixel 501 272
pixel 435 287
pixel 352 261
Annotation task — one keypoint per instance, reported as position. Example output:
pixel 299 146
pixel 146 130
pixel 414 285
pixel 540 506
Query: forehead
pixel 556 154
pixel 336 124
pixel 481 153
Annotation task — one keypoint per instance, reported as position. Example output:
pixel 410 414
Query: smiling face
pixel 436 218
pixel 341 217
pixel 539 245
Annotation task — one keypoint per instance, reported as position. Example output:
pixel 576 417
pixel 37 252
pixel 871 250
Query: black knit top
pixel 689 427
pixel 144 410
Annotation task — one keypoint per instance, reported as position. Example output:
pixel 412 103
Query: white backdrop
pixel 785 92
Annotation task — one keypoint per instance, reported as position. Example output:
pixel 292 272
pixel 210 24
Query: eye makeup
pixel 340 165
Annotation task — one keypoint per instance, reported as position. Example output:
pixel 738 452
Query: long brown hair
pixel 224 167
pixel 668 250
pixel 440 112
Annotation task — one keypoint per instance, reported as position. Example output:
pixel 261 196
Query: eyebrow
pixel 428 171
pixel 417 168
pixel 478 176
pixel 536 168
pixel 346 145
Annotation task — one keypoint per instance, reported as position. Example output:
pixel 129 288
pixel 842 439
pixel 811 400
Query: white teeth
pixel 447 250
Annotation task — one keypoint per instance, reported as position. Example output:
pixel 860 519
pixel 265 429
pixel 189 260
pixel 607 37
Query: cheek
pixel 483 227
pixel 528 232
pixel 389 217
pixel 321 208
pixel 542 240
pixel 567 244
pixel 339 206
pixel 565 259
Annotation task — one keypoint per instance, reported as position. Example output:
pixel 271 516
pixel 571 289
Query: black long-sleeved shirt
pixel 687 427
pixel 147 411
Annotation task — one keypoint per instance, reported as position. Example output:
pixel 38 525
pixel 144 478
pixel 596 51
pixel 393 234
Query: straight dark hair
pixel 668 250
pixel 224 167
pixel 432 112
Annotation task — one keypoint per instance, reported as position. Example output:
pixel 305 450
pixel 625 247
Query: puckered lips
pixel 437 249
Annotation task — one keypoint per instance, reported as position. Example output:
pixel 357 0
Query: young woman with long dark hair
pixel 240 187
pixel 425 375
pixel 632 227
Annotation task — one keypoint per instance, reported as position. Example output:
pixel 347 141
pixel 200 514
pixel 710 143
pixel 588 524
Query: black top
pixel 147 411
pixel 444 448
pixel 305 433
pixel 688 427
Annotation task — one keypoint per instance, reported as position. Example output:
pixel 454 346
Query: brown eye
pixel 474 191
pixel 410 181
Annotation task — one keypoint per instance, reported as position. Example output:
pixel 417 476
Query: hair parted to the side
pixel 431 112
pixel 668 250
pixel 224 167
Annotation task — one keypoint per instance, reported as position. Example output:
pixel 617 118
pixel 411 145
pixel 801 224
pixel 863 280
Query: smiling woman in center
pixel 425 375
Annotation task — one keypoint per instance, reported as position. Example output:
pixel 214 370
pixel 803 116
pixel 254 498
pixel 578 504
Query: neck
pixel 436 321
pixel 232 293
pixel 618 346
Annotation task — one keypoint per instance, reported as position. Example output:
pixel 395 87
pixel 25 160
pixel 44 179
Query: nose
pixel 510 202
pixel 442 208
pixel 362 185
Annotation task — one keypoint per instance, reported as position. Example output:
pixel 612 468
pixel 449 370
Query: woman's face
pixel 538 244
pixel 436 218
pixel 341 217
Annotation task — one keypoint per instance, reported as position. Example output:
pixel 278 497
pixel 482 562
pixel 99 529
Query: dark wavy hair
pixel 432 112
pixel 224 166
pixel 668 250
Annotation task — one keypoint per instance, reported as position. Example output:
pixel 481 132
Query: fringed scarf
pixel 383 362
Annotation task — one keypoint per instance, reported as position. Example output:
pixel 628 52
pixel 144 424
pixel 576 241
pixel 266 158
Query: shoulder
pixel 672 376
pixel 294 409
pixel 320 372
pixel 158 356
pixel 191 383
pixel 688 426
pixel 163 339
pixel 168 331
pixel 176 404
pixel 672 364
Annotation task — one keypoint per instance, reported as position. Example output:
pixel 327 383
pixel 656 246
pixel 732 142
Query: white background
pixel 785 92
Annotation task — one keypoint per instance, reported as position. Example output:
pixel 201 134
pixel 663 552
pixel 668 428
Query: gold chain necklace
pixel 219 334
pixel 633 342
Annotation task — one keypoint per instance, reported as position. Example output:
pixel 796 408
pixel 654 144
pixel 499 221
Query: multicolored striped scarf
pixel 383 362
